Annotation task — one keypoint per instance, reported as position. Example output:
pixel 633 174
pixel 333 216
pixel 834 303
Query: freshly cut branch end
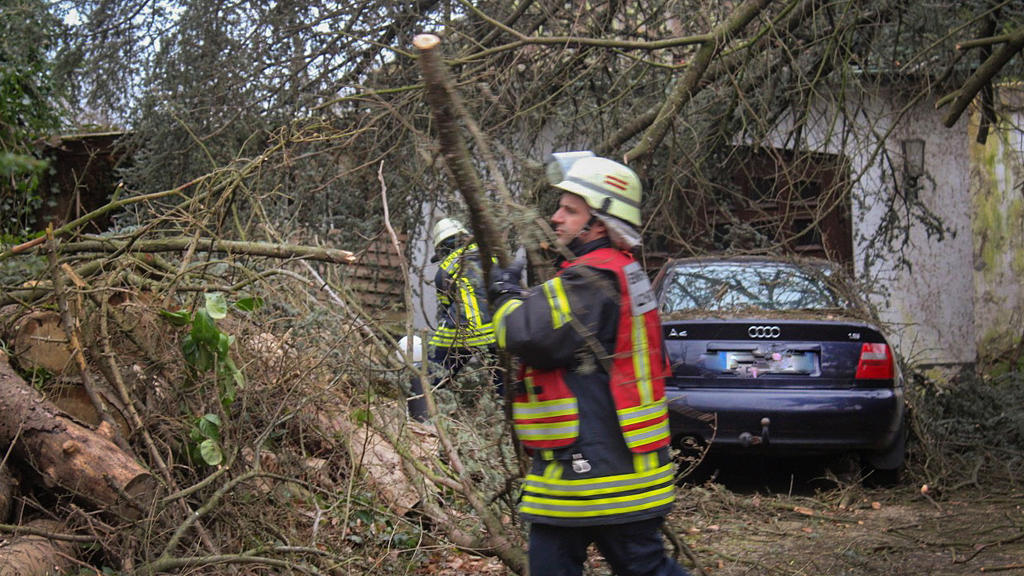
pixel 425 41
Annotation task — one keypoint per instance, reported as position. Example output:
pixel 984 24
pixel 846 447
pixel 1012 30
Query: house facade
pixel 937 220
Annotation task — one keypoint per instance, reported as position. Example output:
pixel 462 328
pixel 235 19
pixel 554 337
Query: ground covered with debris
pixel 853 531
pixel 733 529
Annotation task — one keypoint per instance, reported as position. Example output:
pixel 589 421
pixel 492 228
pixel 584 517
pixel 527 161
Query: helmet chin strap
pixel 593 218
pixel 586 228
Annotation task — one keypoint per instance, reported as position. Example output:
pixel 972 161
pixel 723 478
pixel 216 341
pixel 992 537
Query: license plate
pixel 754 365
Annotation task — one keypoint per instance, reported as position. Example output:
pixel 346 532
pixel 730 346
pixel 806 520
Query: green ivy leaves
pixel 206 348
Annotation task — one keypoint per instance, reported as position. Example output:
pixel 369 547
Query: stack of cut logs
pixel 43 444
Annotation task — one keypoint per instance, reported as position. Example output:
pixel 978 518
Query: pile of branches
pixel 969 429
pixel 196 394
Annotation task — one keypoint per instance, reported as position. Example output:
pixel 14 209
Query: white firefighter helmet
pixel 444 229
pixel 605 185
pixel 413 350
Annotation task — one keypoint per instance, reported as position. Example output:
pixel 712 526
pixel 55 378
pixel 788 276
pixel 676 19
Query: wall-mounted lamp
pixel 913 160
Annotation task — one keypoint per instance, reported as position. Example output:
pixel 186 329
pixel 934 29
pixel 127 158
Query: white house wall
pixel 928 308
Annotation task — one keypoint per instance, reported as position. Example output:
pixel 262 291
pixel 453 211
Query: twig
pixel 75 344
pixel 25 529
pixel 681 546
pixel 1002 568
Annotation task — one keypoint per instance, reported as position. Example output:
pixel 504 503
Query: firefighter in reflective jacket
pixel 590 405
pixel 464 328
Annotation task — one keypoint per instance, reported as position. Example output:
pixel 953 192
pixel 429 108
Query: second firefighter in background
pixel 464 329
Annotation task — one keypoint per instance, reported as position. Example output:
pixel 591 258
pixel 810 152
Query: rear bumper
pixel 802 422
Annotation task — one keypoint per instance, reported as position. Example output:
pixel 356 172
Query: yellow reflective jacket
pixel 463 319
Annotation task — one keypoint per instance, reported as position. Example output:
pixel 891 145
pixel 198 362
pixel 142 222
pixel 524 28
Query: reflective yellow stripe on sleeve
pixel 469 302
pixel 656 414
pixel 645 462
pixel 561 313
pixel 498 320
pixel 641 361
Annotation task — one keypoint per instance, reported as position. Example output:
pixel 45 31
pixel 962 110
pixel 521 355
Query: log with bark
pixel 67 454
pixel 33 554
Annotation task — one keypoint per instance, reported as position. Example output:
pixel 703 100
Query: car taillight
pixel 875 362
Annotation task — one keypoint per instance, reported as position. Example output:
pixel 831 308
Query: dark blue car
pixel 775 356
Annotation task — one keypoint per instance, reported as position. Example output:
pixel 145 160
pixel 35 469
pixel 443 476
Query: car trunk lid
pixel 776 352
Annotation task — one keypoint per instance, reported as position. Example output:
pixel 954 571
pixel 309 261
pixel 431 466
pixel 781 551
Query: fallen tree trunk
pixel 67 454
pixel 34 555
pixel 376 457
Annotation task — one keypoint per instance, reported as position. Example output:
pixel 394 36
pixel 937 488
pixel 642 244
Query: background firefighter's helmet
pixel 444 229
pixel 407 350
pixel 605 185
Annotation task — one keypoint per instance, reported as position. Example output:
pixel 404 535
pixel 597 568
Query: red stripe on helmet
pixel 615 182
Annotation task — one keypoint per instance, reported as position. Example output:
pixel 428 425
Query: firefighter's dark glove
pixel 506 283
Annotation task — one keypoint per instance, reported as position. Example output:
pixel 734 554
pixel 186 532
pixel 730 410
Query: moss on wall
pixel 997 168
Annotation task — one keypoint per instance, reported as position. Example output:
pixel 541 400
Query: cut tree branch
pixel 211 245
pixel 982 76
pixel 442 99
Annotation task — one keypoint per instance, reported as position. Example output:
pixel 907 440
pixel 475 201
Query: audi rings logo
pixel 764 332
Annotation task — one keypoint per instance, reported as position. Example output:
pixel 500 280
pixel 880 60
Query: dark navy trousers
pixel 631 549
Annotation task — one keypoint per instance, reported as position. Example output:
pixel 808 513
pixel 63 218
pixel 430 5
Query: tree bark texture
pixel 67 454
pixel 32 555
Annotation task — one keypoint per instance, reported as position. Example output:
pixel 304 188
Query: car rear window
pixel 732 286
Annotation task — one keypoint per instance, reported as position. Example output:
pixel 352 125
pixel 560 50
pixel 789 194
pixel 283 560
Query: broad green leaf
pixel 209 425
pixel 216 305
pixel 204 329
pixel 179 318
pixel 204 358
pixel 223 344
pixel 190 350
pixel 236 374
pixel 210 451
